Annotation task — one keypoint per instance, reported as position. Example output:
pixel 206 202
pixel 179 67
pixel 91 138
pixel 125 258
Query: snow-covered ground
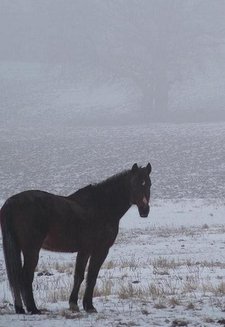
pixel 166 270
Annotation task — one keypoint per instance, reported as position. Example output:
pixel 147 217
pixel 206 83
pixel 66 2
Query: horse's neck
pixel 113 196
pixel 109 199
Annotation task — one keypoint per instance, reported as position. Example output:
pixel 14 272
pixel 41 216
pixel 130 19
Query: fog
pixel 111 62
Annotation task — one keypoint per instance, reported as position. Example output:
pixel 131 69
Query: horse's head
pixel 140 188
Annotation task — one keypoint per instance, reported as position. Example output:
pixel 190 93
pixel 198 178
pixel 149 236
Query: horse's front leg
pixel 96 260
pixel 81 262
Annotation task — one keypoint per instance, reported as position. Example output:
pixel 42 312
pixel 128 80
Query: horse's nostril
pixel 144 211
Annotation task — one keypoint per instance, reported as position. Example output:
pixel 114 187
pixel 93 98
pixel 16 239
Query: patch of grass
pixel 217 290
pixel 165 263
pixel 209 320
pixel 211 264
pixel 190 285
pixel 173 302
pixel 52 289
pixel 179 322
pixel 60 292
pixel 160 305
pixel 220 289
pixel 162 266
pixel 131 263
pixel 68 314
pixel 129 291
pixel 155 291
pixel 205 226
pixel 60 267
pixel 190 306
pixel 105 289
pixel 109 265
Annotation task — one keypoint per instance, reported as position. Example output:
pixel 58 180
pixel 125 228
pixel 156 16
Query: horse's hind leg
pixel 30 263
pixel 18 302
pixel 14 269
pixel 18 305
pixel 81 262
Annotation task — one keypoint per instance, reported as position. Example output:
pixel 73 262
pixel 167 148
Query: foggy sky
pixel 151 59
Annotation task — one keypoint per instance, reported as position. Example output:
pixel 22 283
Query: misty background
pixel 89 87
pixel 111 62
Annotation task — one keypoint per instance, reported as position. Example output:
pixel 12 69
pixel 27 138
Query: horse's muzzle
pixel 144 211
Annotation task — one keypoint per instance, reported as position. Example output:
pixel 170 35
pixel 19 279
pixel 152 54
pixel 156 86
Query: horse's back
pixel 41 203
pixel 29 205
pixel 23 200
pixel 36 215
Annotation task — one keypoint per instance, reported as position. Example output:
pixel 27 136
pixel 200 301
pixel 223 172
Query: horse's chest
pixel 106 235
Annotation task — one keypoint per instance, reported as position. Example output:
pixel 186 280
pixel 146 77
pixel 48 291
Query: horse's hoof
pixel 90 309
pixel 34 312
pixel 74 307
pixel 19 310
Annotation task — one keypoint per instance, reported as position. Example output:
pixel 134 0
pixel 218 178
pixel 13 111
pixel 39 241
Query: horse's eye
pixel 143 183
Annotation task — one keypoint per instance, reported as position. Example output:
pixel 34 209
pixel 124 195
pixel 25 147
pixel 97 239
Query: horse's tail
pixel 12 252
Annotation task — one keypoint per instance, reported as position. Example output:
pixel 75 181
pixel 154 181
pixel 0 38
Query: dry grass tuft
pixel 217 290
pixel 128 291
pixel 173 302
pixel 190 306
pixel 160 305
pixel 105 289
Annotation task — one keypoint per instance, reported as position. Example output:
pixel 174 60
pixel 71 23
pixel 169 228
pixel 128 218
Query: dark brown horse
pixel 85 222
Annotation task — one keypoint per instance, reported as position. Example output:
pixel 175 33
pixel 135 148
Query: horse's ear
pixel 149 168
pixel 134 168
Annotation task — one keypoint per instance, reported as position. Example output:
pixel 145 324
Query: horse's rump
pixel 41 219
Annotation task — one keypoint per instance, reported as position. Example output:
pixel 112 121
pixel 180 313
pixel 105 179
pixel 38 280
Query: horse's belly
pixel 59 243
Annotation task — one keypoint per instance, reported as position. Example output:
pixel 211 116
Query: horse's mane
pixel 111 183
pixel 112 180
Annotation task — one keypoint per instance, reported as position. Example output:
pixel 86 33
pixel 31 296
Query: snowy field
pixel 166 270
